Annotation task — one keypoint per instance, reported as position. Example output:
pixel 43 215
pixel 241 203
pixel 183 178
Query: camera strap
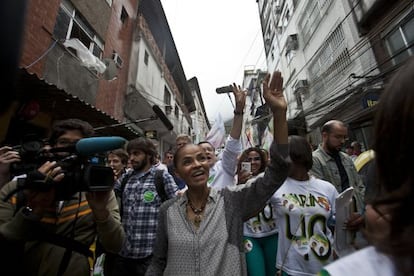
pixel 70 244
pixel 66 242
pixel 159 185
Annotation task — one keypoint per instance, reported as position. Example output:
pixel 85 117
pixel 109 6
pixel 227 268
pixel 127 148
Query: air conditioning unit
pixel 302 89
pixel 278 9
pixel 301 84
pixel 118 60
pixel 292 42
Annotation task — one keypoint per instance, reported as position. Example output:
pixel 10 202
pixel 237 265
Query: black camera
pixel 82 173
pixel 32 153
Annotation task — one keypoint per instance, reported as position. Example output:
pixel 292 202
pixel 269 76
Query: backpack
pixel 159 185
pixel 106 260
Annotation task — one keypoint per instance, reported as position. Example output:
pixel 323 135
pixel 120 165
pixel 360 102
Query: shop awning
pixel 62 105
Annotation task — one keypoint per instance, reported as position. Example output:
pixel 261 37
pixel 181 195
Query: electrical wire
pixel 352 50
pixel 43 55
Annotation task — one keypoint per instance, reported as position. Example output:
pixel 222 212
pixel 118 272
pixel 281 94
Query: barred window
pixel 400 40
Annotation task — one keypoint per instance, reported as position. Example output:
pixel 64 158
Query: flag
pixel 267 139
pixel 217 134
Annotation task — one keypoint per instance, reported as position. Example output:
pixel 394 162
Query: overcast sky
pixel 216 40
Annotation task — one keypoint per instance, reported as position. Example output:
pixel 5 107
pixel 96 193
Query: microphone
pixel 224 89
pixel 92 145
pixel 162 117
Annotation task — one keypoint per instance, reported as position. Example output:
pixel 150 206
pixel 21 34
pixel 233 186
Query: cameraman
pixel 34 238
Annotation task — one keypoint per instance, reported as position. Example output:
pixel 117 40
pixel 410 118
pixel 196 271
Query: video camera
pixel 83 165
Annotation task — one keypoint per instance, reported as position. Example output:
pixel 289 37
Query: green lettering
pixel 302 200
pixel 312 201
pixel 318 219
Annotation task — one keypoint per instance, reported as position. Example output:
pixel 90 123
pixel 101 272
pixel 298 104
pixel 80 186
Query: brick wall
pixel 111 94
pixel 37 37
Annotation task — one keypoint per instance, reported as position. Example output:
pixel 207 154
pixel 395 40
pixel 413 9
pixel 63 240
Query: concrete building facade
pixel 334 57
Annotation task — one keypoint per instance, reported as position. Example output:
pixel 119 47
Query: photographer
pixel 47 229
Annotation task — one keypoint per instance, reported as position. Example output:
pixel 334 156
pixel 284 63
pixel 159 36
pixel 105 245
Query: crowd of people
pixel 192 212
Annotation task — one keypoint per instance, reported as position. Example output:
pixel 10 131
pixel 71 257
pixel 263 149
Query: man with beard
pixel 139 206
pixel 336 167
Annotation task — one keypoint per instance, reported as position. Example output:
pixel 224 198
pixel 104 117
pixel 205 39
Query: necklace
pixel 197 211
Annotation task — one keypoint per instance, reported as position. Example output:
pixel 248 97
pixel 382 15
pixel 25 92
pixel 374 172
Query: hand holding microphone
pixel 224 89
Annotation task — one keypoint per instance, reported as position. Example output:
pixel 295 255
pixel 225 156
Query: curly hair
pixel 143 144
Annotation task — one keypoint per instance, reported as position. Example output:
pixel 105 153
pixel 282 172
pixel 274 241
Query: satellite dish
pixel 111 69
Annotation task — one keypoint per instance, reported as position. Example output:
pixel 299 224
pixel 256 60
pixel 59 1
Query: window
pixel 330 62
pixel 298 98
pixel 124 15
pixel 146 57
pixel 400 41
pixel 71 24
pixel 286 18
pixel 177 111
pixel 167 96
pixel 289 56
pixel 313 13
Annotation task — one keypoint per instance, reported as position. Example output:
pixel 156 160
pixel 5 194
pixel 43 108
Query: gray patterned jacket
pixel 216 248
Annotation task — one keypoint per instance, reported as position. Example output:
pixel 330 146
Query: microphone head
pixel 224 89
pixel 160 114
pixel 92 145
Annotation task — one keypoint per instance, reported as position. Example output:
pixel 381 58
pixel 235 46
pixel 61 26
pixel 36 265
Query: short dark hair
pixel 143 144
pixel 300 151
pixel 168 152
pixel 61 127
pixel 178 152
pixel 206 142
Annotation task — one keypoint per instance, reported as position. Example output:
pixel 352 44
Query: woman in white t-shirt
pixel 304 206
pixel 260 232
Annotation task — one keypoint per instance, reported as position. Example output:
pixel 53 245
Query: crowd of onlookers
pixel 245 211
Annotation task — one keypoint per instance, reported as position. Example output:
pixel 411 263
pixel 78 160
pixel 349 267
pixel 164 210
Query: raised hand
pixel 273 92
pixel 44 197
pixel 8 155
pixel 239 97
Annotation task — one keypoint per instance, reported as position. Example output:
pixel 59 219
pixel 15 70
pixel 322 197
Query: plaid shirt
pixel 140 203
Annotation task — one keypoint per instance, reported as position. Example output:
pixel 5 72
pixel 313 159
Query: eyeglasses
pixel 250 159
